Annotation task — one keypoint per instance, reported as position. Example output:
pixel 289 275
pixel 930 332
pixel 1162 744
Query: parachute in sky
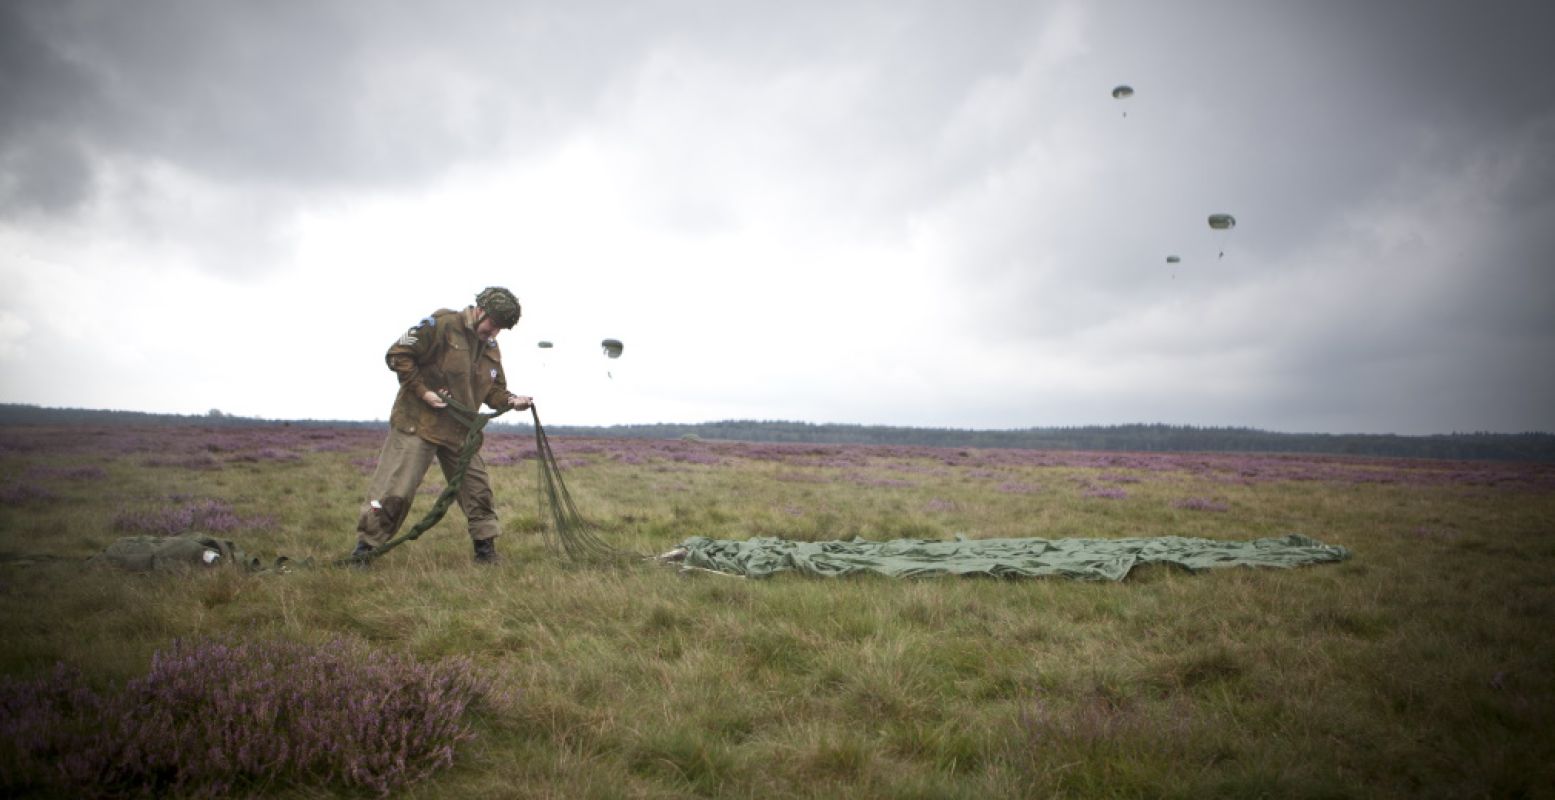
pixel 1222 222
pixel 1173 260
pixel 1122 92
pixel 612 348
pixel 545 345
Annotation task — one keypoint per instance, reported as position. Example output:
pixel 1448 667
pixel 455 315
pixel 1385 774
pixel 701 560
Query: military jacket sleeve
pixel 407 355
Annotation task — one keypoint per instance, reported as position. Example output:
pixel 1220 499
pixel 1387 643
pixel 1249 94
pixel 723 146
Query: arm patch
pixel 410 338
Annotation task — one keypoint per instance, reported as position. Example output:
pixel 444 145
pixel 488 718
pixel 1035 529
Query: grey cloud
pixel 849 105
pixel 289 95
pixel 251 92
pixel 43 98
pixel 267 108
pixel 321 94
pixel 45 176
pixel 1441 62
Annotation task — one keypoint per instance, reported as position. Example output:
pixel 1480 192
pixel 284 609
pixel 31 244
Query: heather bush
pixel 88 472
pixel 209 516
pixel 211 718
pixel 201 461
pixel 18 493
pixel 265 454
pixel 1200 504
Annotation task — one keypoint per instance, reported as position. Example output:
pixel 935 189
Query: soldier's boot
pixel 485 551
pixel 357 553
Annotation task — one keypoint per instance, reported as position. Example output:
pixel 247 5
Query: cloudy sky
pixel 887 212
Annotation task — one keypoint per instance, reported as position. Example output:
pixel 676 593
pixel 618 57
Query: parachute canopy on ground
pixel 1222 222
pixel 545 345
pixel 612 347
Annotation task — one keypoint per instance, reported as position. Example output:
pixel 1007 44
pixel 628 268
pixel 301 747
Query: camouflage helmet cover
pixel 500 305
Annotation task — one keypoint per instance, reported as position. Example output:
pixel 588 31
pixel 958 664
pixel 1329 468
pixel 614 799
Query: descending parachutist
pixel 1222 222
pixel 612 348
pixel 1122 93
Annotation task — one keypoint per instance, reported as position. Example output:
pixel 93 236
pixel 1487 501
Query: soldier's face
pixel 487 328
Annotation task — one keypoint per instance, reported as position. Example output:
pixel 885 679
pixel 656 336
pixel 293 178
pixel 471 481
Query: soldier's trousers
pixel 401 466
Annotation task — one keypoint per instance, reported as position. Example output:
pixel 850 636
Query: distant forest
pixel 1141 437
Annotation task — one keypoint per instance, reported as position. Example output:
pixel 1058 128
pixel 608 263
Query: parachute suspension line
pixel 475 422
pixel 568 534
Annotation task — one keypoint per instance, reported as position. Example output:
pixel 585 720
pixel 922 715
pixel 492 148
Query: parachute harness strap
pixel 475 421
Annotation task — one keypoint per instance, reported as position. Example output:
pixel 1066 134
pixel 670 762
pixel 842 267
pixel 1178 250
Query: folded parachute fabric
pixel 181 553
pixel 1081 559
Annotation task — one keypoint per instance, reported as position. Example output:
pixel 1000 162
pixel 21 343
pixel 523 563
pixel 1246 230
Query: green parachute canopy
pixel 1122 92
pixel 612 347
pixel 1222 222
pixel 1079 559
pixel 1173 260
pixel 545 345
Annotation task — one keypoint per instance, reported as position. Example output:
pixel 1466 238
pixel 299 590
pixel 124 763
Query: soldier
pixel 452 355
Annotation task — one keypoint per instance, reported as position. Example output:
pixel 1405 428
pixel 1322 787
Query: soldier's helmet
pixel 500 305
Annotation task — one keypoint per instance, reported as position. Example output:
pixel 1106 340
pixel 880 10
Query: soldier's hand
pixel 520 402
pixel 431 399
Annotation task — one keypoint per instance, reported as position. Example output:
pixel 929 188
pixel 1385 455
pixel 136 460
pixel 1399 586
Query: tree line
pixel 1158 437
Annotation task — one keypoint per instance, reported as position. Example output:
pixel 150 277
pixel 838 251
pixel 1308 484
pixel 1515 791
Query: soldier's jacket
pixel 442 352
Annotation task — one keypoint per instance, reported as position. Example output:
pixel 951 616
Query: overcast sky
pixel 891 212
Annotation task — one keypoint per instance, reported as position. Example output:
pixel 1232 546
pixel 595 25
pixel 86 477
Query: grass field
pixel 1423 666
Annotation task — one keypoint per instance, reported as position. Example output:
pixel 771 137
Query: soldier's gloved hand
pixel 520 402
pixel 432 399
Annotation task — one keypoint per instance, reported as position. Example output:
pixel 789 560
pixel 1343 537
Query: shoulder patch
pixel 413 335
